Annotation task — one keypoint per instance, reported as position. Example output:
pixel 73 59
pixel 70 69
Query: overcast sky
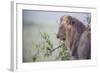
pixel 50 17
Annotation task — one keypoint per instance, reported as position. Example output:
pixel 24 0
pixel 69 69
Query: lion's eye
pixel 61 19
pixel 61 27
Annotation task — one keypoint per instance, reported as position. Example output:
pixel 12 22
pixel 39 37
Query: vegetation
pixel 48 44
pixel 47 47
pixel 64 53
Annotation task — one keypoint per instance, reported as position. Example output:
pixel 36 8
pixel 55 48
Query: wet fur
pixel 76 36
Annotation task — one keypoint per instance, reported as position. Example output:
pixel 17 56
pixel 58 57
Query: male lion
pixel 76 37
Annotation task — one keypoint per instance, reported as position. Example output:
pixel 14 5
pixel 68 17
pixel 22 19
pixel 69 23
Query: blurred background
pixel 37 24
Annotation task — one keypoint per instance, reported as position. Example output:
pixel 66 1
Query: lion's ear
pixel 69 21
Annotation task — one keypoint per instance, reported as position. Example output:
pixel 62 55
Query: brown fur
pixel 73 32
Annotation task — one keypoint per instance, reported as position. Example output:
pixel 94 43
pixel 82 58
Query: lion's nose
pixel 57 35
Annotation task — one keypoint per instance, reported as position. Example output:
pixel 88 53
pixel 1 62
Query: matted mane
pixel 80 27
pixel 76 37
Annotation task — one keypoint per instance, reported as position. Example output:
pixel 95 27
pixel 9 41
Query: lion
pixel 76 37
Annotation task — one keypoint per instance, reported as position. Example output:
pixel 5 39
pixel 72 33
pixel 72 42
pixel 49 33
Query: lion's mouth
pixel 63 39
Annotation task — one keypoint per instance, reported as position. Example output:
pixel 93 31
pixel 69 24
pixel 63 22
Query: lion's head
pixel 69 30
